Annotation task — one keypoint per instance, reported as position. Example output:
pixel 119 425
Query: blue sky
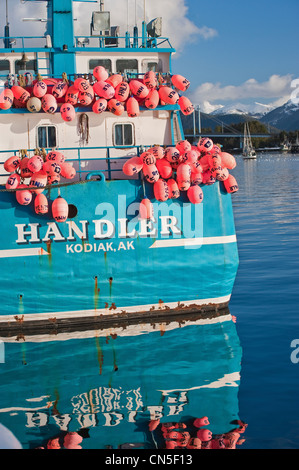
pixel 231 51
pixel 256 40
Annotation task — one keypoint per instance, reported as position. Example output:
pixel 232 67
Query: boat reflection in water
pixel 120 387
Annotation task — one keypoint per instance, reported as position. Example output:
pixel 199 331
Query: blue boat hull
pixel 104 262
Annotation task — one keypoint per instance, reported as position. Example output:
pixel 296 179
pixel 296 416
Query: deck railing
pixel 107 160
pixel 29 43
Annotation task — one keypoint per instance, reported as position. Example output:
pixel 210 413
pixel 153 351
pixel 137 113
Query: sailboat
pixel 248 150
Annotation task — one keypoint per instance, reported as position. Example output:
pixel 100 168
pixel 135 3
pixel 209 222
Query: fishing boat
pixel 111 233
pixel 248 150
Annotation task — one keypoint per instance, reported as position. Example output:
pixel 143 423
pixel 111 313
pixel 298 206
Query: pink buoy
pixel 196 178
pixel 185 105
pixel 20 93
pixel 228 161
pixel 204 161
pixel 168 95
pixel 157 151
pixel 53 444
pixel 114 80
pixel 192 157
pixel 72 440
pixel 60 209
pixel 204 434
pixel 138 89
pixel 172 154
pixel 161 190
pixel 53 179
pixel 67 112
pixel 222 175
pixel 132 107
pixel 148 158
pixel 184 172
pixel 99 106
pixel 6 99
pixel 39 89
pixel 183 185
pixel 84 86
pixel 151 173
pixel 12 163
pixel 180 82
pixel 195 194
pixel 152 99
pixel 38 181
pixel 24 170
pixel 86 97
pixel 122 91
pixel 115 107
pixel 173 189
pixel 194 443
pixel 164 167
pixel 55 156
pixel 60 89
pixel 81 84
pixel 100 73
pixel 13 181
pixel 41 205
pixel 23 197
pixel 208 177
pixel 214 161
pixel 104 90
pixel 231 184
pixel 132 166
pixel 195 167
pixel 150 79
pixel 205 144
pixel 52 167
pixel 72 95
pixel 35 163
pixel 67 170
pixel 153 424
pixel 49 103
pixel 183 146
pixel 146 210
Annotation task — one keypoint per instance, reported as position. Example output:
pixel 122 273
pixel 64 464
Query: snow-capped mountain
pixel 256 110
pixel 284 117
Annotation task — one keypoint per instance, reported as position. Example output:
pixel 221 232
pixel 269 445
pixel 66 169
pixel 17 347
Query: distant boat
pixel 286 146
pixel 248 150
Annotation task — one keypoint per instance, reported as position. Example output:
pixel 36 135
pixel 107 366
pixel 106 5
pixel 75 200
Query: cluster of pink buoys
pixel 182 168
pixel 71 440
pixel 197 435
pixel 104 92
pixel 41 172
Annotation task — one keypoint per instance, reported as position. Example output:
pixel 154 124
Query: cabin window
pixel 46 137
pixel 106 63
pixel 22 67
pixel 123 135
pixel 129 66
pixel 4 67
pixel 152 66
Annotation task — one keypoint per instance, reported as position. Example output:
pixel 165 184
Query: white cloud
pixel 277 88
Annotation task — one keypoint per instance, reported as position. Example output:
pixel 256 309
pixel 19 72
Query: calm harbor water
pixel 108 385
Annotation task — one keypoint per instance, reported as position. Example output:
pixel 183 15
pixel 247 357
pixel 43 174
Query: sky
pixel 231 51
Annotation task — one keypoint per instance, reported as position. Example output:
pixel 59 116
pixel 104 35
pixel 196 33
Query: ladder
pixel 43 64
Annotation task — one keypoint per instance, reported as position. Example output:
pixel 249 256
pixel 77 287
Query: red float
pixel 60 209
